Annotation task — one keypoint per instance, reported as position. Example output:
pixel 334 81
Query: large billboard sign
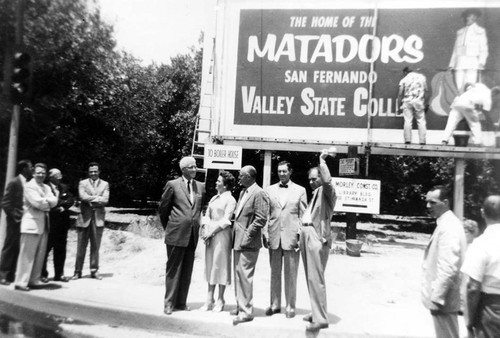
pixel 333 74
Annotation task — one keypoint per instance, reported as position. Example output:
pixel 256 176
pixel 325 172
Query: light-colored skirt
pixel 218 258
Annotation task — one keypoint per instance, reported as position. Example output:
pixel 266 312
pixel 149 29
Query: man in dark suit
pixel 250 218
pixel 59 225
pixel 179 210
pixel 316 241
pixel 287 202
pixel 12 204
pixel 94 196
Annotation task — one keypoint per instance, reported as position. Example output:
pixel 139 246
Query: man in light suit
pixel 35 227
pixel 249 219
pixel 470 50
pixel 287 202
pixel 180 210
pixel 94 196
pixel 59 225
pixel 12 204
pixel 441 266
pixel 316 240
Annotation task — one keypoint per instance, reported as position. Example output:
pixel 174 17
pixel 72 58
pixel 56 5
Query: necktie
pixel 55 190
pixel 240 200
pixel 314 200
pixel 190 192
pixel 283 185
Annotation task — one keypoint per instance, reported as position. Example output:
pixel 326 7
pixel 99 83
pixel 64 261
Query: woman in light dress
pixel 217 234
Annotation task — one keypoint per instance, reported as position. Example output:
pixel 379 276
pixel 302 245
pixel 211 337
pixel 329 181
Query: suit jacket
pixel 12 201
pixel 179 217
pixel 249 220
pixel 285 219
pixel 37 203
pixel 59 215
pixel 322 210
pixel 441 266
pixel 93 200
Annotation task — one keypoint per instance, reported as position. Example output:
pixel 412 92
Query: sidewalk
pixel 393 310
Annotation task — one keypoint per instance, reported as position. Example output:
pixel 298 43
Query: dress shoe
pixel 168 309
pixel 234 312
pixel 270 311
pixel 21 288
pixel 76 276
pixel 182 308
pixel 290 313
pixel 38 285
pixel 308 318
pixel 61 279
pixel 44 280
pixel 219 306
pixel 239 320
pixel 207 306
pixel 3 281
pixel 316 326
pixel 95 275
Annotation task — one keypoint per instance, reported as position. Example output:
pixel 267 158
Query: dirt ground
pixel 385 279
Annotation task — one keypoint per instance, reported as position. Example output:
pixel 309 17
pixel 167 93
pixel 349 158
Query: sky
pixel 156 30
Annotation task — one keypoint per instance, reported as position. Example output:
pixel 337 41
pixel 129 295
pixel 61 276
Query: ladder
pixel 203 125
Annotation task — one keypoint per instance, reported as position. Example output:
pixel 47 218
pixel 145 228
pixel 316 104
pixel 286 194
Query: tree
pixel 93 103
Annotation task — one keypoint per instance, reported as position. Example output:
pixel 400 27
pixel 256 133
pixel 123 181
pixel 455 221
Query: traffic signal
pixel 21 77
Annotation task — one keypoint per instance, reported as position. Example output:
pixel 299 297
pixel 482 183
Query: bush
pixel 118 238
pixel 149 227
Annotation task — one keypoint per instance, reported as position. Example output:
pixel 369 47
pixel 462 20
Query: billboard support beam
pixel 351 217
pixel 458 191
pixel 266 180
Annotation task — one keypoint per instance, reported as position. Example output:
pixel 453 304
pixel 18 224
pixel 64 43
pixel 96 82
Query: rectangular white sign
pixel 358 196
pixel 219 156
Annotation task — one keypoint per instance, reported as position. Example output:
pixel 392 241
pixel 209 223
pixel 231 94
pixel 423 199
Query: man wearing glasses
pixel 442 261
pixel 179 210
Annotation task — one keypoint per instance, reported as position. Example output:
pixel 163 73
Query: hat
pixel 469 11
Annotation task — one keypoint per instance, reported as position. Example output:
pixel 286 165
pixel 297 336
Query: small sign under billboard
pixel 348 166
pixel 358 196
pixel 218 156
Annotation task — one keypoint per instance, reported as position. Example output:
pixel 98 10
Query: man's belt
pixel 307 224
pixel 490 298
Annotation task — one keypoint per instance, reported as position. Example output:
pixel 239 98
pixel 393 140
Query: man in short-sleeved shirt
pixel 412 95
pixel 482 266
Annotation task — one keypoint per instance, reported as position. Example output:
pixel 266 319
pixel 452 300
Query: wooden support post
pixel 266 181
pixel 458 190
pixel 351 218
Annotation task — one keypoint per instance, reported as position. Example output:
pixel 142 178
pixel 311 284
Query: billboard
pixel 333 74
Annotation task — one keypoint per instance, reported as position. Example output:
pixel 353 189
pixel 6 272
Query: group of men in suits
pixel 38 221
pixel 278 217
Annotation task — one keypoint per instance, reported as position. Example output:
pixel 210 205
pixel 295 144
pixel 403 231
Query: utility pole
pixel 14 124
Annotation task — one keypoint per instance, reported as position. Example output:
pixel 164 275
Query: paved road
pixel 119 307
